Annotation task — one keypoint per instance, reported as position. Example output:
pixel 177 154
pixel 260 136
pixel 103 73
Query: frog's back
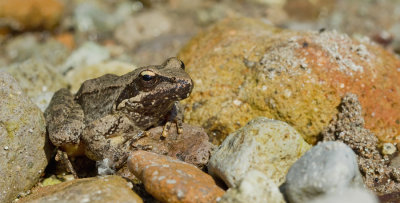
pixel 97 96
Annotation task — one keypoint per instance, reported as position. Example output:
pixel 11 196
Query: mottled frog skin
pixel 108 113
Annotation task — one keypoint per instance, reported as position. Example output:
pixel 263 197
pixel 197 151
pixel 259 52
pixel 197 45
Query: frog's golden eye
pixel 147 75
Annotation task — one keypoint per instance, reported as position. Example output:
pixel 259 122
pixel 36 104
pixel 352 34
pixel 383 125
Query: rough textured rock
pixel 349 195
pixel 328 167
pixel 191 146
pixel 254 187
pixel 269 146
pixel 30 14
pixel 348 127
pixel 171 180
pixel 22 140
pixel 243 68
pixel 98 189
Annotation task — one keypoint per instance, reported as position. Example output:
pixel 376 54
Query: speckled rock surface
pixel 254 187
pixel 325 168
pixel 349 195
pixel 191 146
pixel 22 140
pixel 243 68
pixel 171 180
pixel 348 127
pixel 269 146
pixel 30 14
pixel 98 189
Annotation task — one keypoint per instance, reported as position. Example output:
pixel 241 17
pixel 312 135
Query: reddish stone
pixel 171 180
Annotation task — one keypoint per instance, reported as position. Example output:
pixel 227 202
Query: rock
pixel 254 187
pixel 170 180
pixel 348 127
pixel 191 146
pixel 38 79
pixel 97 189
pixel 77 76
pixel 244 68
pixel 349 195
pixel 97 17
pixel 269 146
pixel 325 168
pixel 23 144
pixel 143 26
pixel 30 14
pixel 27 46
pixel 88 54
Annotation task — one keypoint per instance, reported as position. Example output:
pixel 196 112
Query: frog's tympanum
pixel 108 113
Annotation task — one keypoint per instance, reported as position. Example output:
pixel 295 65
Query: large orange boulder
pixel 243 68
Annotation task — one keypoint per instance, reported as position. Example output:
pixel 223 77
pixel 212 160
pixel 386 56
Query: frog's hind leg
pixel 176 116
pixel 64 119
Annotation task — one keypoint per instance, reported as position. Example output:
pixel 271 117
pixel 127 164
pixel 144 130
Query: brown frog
pixel 108 113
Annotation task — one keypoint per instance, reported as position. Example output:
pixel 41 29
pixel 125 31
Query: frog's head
pixel 157 86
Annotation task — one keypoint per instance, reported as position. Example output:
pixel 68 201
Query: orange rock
pixel 30 14
pixel 243 68
pixel 171 180
pixel 67 39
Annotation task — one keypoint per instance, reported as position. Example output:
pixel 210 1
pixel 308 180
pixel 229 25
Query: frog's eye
pixel 147 75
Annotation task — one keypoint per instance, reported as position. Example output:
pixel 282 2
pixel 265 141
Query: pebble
pixel 170 180
pixel 269 146
pixel 325 168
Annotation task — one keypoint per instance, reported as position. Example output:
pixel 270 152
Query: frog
pixel 109 113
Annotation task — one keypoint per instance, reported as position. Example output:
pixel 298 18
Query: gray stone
pixel 348 195
pixel 269 146
pixel 325 168
pixel 254 187
pixel 22 140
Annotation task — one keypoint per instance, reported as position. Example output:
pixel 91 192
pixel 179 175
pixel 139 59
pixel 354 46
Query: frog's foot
pixel 63 157
pixel 167 127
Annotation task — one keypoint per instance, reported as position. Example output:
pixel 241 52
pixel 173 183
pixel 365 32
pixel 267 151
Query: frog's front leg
pixel 64 119
pixel 110 138
pixel 176 115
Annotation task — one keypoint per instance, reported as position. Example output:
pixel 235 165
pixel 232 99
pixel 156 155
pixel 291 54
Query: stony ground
pixel 293 100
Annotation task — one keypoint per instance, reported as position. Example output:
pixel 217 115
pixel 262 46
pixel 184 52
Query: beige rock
pixel 269 146
pixel 23 144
